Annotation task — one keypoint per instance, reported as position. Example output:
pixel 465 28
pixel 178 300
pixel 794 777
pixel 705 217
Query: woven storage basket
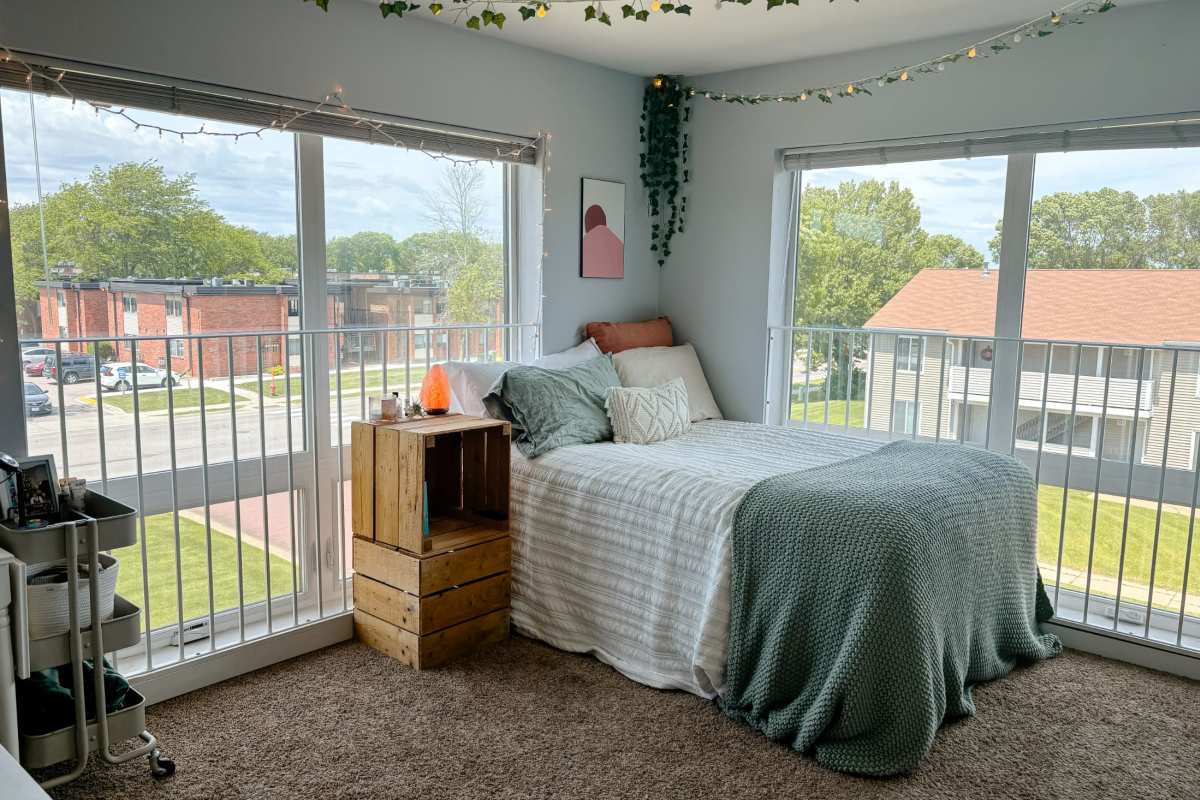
pixel 49 614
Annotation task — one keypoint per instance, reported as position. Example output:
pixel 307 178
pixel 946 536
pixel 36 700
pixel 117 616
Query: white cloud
pixel 251 183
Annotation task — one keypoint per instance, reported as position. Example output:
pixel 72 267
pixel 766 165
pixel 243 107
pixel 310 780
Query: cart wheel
pixel 160 767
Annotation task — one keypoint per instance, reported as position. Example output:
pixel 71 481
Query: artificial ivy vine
pixel 666 110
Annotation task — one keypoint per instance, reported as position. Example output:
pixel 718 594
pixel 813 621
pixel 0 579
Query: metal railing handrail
pixel 350 329
pixel 1183 347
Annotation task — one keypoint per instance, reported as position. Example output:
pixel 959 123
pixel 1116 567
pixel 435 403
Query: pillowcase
pixel 552 408
pixel 653 366
pixel 615 337
pixel 470 381
pixel 642 416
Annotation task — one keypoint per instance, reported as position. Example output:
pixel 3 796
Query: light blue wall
pixel 409 67
pixel 716 288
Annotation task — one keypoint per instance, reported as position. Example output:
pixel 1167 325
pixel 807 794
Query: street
pixel 83 426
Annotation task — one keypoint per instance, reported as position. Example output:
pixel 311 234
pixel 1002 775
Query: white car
pixel 31 354
pixel 119 376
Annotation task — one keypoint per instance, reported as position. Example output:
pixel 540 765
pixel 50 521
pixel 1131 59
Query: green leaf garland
pixel 478 14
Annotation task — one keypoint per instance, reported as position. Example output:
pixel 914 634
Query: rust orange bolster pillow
pixel 614 337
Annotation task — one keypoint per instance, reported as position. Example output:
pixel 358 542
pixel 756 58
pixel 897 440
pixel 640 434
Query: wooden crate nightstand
pixel 426 599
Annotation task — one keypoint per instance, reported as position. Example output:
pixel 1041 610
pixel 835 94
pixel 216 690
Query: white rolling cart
pixel 104 524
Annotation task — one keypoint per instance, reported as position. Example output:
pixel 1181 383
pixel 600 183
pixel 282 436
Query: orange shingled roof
pixel 1127 306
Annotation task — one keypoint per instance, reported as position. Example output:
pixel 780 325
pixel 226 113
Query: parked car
pixel 76 367
pixel 36 367
pixel 119 376
pixel 37 401
pixel 35 355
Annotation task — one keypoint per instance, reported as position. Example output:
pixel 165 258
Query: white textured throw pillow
pixel 654 366
pixel 642 416
pixel 470 381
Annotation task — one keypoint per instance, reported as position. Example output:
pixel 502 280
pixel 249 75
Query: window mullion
pixel 319 531
pixel 1010 298
pixel 12 426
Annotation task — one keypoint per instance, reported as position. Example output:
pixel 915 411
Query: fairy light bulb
pixel 1017 38
pixel 803 96
pixel 941 67
pixel 971 53
pixel 1056 18
pixel 541 11
pixel 656 5
pixel 850 89
pixel 435 9
pixel 657 82
pixel 904 75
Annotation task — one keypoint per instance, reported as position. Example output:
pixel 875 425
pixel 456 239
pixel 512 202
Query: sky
pixel 251 183
pixel 965 197
pixel 381 188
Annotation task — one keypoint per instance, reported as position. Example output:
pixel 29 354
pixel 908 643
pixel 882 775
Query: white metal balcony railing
pixel 1115 457
pixel 240 467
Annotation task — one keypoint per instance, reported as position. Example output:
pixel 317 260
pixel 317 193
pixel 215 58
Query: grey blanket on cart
pixel 869 595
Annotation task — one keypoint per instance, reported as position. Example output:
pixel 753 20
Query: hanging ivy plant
pixel 666 110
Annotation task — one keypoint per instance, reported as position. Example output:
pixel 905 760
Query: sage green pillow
pixel 552 408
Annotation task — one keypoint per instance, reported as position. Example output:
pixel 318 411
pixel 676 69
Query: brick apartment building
pixel 160 307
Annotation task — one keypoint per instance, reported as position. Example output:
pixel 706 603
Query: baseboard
pixel 1133 651
pixel 196 673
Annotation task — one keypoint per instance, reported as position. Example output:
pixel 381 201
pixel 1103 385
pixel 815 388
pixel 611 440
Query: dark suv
pixel 76 367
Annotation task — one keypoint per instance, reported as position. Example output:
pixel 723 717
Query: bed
pixel 622 550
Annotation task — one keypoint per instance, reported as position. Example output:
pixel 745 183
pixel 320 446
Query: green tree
pixel 132 219
pixel 477 288
pixel 1175 229
pixel 1101 229
pixel 444 253
pixel 365 251
pixel 281 252
pixel 859 244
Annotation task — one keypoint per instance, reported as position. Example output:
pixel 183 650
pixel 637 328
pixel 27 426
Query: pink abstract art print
pixel 602 252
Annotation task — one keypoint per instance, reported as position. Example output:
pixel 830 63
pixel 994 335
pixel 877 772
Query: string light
pixel 656 5
pixel 334 101
pixel 1076 11
pixel 541 10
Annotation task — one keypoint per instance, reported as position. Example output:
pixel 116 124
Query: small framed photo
pixel 39 489
pixel 602 229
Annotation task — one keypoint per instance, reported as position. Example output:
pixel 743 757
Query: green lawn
pixel 160 544
pixel 350 381
pixel 1139 542
pixel 837 411
pixel 156 400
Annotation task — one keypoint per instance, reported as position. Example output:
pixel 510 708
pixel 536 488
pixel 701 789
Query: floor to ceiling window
pixel 220 419
pixel 899 314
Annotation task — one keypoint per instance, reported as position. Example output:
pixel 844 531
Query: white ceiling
pixel 736 36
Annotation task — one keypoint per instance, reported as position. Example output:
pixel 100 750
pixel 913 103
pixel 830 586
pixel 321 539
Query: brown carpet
pixel 523 720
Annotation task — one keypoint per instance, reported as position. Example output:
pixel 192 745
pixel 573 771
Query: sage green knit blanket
pixel 869 595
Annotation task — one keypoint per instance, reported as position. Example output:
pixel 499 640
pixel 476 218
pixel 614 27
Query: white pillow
pixel 654 366
pixel 584 351
pixel 470 381
pixel 642 416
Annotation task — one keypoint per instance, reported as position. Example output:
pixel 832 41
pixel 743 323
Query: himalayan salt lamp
pixel 435 391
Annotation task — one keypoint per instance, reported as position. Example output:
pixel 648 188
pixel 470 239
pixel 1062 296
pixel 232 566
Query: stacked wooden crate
pixel 426 598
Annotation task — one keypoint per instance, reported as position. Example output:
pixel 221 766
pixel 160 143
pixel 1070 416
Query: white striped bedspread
pixel 622 550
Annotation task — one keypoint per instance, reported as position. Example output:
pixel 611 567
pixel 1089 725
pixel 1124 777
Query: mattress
pixel 622 550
